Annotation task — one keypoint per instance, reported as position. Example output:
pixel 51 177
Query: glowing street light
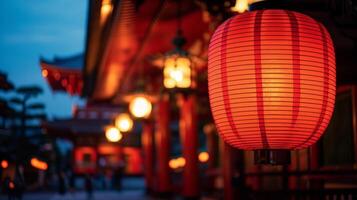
pixel 123 122
pixel 203 157
pixel 140 107
pixel 113 134
pixel 176 163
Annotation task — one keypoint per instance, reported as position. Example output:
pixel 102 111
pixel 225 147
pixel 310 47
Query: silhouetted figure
pixel 89 187
pixel 118 176
pixel 61 184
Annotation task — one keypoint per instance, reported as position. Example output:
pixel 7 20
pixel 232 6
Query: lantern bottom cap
pixel 272 156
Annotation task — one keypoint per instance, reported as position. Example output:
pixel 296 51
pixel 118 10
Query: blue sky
pixel 33 28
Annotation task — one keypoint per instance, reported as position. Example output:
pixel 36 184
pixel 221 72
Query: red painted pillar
pixel 189 138
pixel 212 150
pixel 147 140
pixel 212 145
pixel 163 146
pixel 227 172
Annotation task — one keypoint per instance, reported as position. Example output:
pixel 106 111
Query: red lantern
pixel 271 78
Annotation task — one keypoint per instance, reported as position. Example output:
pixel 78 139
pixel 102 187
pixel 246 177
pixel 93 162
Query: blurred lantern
pixel 177 66
pixel 271 79
pixel 181 162
pixel 140 101
pixel 113 134
pixel 38 164
pixel 176 163
pixel 4 164
pixel 140 107
pixel 123 122
pixel 203 157
pixel 173 164
pixel 177 69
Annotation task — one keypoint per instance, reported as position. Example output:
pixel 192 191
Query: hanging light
pixel 181 161
pixel 203 157
pixel 271 79
pixel 140 101
pixel 140 107
pixel 113 134
pixel 173 164
pixel 177 70
pixel 123 122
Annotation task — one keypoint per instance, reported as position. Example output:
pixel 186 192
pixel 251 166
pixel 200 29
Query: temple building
pixel 150 59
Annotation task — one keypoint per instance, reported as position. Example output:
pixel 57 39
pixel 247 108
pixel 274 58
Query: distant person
pixel 89 187
pixel 118 176
pixel 62 184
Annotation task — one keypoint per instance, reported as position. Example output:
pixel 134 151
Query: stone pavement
pixel 98 195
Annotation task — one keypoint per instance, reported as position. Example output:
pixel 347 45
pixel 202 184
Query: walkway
pixel 98 195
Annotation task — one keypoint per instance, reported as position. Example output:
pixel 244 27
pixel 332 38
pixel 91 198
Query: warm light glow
pixel 140 107
pixel 44 73
pixel 177 162
pixel 173 164
pixel 113 134
pixel 271 84
pixel 240 6
pixel 177 72
pixel 176 75
pixel 36 163
pixel 4 164
pixel 181 161
pixel 124 123
pixel 105 10
pixel 203 157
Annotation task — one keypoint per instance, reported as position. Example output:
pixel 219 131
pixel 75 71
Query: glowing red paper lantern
pixel 271 78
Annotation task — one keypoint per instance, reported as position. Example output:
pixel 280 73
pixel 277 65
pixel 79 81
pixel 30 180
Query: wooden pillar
pixel 147 140
pixel 212 145
pixel 163 146
pixel 212 150
pixel 189 138
pixel 233 173
pixel 227 172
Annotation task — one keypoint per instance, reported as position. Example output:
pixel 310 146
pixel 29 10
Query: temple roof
pixel 64 73
pixel 75 62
